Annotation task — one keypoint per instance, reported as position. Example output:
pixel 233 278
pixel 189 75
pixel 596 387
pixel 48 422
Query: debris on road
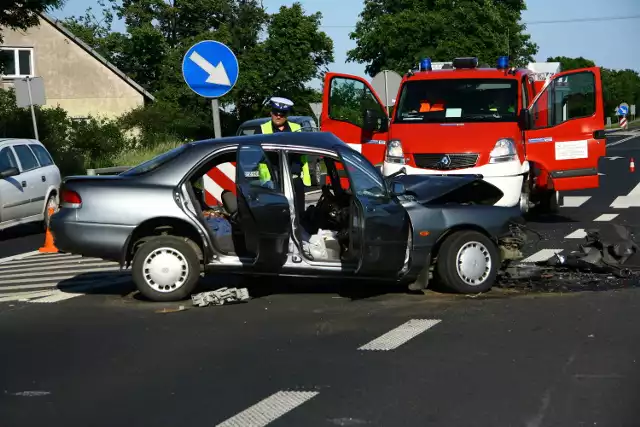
pixel 604 261
pixel 171 310
pixel 220 296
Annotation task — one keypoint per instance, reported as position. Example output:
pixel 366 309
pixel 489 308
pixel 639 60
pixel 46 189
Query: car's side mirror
pixel 9 172
pixel 370 120
pixel 524 119
pixel 397 188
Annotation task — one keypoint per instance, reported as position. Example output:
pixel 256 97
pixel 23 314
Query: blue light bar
pixel 503 62
pixel 425 64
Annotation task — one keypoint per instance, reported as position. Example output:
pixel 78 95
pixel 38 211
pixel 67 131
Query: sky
pixel 611 43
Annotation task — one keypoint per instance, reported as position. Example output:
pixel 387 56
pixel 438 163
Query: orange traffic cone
pixel 632 166
pixel 49 247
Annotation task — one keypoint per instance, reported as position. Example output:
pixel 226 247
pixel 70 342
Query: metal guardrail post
pixel 91 171
pixel 107 171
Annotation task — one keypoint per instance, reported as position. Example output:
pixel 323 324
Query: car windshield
pixel 156 162
pixel 458 101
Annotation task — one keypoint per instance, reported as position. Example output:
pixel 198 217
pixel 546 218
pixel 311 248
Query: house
pixel 75 76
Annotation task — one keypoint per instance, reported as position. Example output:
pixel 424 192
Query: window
pixel 458 101
pixel 349 99
pixel 42 154
pixel 567 97
pixel 7 159
pixel 255 167
pixel 365 179
pixel 18 62
pixel 26 157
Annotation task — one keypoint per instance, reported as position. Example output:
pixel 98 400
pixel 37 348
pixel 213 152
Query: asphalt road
pixel 343 355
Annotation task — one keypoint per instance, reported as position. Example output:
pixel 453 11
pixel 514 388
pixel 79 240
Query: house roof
pixel 56 23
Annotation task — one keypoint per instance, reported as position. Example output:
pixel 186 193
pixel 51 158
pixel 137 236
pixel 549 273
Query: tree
pixel 396 34
pixel 159 32
pixel 568 64
pixel 23 14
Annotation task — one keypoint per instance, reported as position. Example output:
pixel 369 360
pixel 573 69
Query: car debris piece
pixel 220 296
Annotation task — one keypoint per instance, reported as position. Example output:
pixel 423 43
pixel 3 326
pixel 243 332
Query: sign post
pixel 30 92
pixel 211 69
pixel 386 82
pixel 633 111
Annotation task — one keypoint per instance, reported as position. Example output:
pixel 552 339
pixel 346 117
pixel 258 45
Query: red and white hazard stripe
pixel 623 122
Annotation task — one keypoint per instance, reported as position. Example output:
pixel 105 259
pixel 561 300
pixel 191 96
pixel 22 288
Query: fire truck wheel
pixel 468 262
pixel 549 202
pixel 166 268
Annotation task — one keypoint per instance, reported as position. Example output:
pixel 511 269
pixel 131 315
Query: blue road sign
pixel 623 110
pixel 210 69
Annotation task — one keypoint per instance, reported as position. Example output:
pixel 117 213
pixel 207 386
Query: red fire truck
pixel 531 132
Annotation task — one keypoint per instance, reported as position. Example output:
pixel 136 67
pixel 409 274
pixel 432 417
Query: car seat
pixel 230 203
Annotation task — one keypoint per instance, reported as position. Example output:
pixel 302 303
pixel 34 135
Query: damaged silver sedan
pixel 157 219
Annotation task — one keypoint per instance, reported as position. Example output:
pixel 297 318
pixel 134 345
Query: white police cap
pixel 281 104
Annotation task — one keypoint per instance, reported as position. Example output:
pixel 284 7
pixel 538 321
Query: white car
pixel 29 182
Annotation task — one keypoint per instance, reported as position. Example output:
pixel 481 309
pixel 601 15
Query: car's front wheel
pixel 166 268
pixel 52 203
pixel 468 262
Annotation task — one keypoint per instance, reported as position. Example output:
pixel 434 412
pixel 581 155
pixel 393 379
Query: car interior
pixel 320 215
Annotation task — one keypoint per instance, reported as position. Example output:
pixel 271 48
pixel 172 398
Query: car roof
pixel 261 120
pixel 7 141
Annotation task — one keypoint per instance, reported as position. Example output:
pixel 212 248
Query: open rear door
pixel 565 137
pixel 347 101
pixel 262 207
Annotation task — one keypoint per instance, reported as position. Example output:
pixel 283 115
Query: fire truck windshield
pixel 458 101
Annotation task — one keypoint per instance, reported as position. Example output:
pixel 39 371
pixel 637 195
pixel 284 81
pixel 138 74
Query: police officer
pixel 280 109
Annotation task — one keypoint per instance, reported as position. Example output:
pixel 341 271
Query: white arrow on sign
pixel 217 75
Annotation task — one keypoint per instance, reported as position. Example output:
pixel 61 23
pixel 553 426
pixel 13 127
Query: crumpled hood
pixel 448 189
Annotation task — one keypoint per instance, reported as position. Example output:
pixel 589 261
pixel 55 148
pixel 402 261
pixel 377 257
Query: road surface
pixel 307 354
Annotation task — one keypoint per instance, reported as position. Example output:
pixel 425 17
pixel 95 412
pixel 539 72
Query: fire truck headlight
pixel 394 152
pixel 503 151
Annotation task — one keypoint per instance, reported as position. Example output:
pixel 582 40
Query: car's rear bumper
pixel 104 241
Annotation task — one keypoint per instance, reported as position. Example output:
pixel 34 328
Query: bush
pixel 73 145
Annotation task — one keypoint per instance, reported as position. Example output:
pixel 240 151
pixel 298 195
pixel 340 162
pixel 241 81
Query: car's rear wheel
pixel 166 268
pixel 467 262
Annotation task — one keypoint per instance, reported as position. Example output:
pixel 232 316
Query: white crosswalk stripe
pixel 50 278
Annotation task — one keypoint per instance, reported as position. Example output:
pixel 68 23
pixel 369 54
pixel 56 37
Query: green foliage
pixel 21 14
pixel 396 34
pixel 73 145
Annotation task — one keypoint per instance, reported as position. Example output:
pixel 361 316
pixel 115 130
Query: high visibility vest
pixel 306 174
pixel 263 173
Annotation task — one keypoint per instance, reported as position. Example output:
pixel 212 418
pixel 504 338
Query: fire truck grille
pixel 446 161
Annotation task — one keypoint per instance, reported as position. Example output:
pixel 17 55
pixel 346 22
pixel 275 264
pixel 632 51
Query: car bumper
pixel 105 241
pixel 507 176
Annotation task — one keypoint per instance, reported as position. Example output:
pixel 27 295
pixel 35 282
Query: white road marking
pixel 56 277
pixel 630 200
pixel 622 140
pixel 542 255
pixel 574 201
pixel 269 409
pixel 578 234
pixel 606 217
pixel 18 256
pixel 400 335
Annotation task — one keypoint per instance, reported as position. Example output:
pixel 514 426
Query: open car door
pixel 379 223
pixel 353 112
pixel 564 130
pixel 262 207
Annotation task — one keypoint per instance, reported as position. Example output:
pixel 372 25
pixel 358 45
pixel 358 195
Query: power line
pixel 559 21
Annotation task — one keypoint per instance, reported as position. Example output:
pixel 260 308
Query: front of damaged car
pixel 447 208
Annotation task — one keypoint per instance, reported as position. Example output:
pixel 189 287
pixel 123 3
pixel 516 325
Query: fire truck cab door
pixel 565 130
pixel 347 101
